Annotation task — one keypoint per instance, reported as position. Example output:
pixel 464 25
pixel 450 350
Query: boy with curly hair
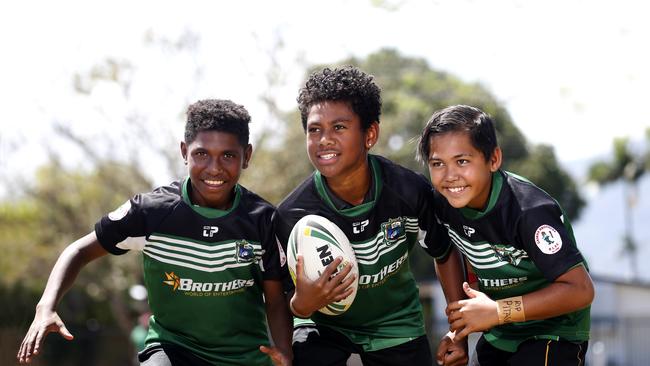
pixel 384 210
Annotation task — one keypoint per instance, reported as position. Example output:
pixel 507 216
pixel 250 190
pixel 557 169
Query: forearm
pixel 278 316
pixel 570 292
pixel 281 326
pixel 451 277
pixel 73 258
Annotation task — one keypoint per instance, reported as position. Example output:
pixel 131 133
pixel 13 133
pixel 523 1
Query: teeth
pixel 327 156
pixel 214 182
pixel 456 189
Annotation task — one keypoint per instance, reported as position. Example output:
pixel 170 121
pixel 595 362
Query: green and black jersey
pixel 520 243
pixel 383 231
pixel 203 269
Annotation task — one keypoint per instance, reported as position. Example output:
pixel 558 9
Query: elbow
pixel 587 293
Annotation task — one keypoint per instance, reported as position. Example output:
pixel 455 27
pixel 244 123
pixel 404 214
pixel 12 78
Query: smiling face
pixel 215 161
pixel 336 143
pixel 459 171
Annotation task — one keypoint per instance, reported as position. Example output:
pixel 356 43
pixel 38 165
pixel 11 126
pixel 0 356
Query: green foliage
pixel 57 207
pixel 60 207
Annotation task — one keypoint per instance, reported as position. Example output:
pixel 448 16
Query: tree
pixel 628 167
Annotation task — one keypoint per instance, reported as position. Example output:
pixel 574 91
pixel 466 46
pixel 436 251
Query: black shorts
pixel 537 352
pixel 169 355
pixel 324 346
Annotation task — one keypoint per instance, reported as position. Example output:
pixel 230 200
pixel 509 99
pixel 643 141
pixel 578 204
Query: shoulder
pixel 403 184
pixel 254 204
pixel 304 193
pixel 161 198
pixel 528 196
pixel 396 175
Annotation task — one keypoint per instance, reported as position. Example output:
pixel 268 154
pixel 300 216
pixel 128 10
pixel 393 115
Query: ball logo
pixel 120 212
pixel 548 240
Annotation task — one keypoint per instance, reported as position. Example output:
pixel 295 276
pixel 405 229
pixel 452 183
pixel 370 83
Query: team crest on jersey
pixel 509 254
pixel 172 280
pixel 244 251
pixel 120 212
pixel 548 240
pixel 393 230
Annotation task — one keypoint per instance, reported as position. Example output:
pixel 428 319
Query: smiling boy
pixel 535 291
pixel 211 265
pixel 384 210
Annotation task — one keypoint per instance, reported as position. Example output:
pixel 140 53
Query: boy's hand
pixel 45 321
pixel 278 358
pixel 475 314
pixel 452 352
pixel 313 295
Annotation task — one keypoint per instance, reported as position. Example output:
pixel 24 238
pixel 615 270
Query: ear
pixel 184 151
pixel 496 159
pixel 372 135
pixel 248 152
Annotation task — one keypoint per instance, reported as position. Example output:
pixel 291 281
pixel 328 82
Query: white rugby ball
pixel 320 241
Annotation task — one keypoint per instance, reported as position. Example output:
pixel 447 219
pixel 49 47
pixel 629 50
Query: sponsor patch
pixel 548 240
pixel 120 212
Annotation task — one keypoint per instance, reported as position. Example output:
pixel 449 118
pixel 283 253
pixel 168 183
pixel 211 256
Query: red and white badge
pixel 548 240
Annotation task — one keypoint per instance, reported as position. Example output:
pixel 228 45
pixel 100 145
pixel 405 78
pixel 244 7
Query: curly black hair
pixel 217 115
pixel 346 84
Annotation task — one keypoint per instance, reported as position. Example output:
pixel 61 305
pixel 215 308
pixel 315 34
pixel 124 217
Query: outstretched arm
pixel 280 323
pixel 65 271
pixel 569 292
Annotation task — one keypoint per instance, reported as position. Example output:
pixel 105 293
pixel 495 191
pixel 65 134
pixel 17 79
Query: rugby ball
pixel 319 241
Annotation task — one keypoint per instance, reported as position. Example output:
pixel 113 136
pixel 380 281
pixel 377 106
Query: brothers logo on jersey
pixel 244 251
pixel 393 230
pixel 548 240
pixel 194 288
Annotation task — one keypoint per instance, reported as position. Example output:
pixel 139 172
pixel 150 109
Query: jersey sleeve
pixel 548 241
pixel 433 236
pixel 274 258
pixel 126 221
pixel 282 230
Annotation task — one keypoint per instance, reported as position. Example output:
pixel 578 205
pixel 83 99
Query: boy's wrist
pixel 511 310
pixel 297 312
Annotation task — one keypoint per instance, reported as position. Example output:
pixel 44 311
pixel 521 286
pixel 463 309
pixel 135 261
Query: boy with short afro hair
pixel 534 291
pixel 212 267
pixel 384 210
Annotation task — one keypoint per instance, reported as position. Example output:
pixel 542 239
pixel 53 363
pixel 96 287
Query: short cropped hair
pixel 460 118
pixel 345 84
pixel 217 115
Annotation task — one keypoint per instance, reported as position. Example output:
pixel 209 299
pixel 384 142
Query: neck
pixel 352 188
